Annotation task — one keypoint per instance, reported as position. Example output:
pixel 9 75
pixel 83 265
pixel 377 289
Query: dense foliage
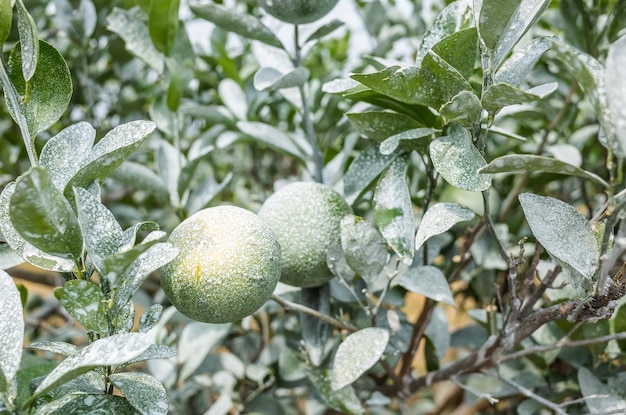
pixel 479 144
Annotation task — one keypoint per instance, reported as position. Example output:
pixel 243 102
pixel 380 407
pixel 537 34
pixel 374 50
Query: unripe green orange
pixel 228 265
pixel 298 11
pixel 305 218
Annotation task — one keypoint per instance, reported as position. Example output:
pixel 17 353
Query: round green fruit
pixel 298 11
pixel 305 218
pixel 228 265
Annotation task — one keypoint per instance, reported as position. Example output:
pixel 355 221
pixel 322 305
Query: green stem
pixel 306 115
pixel 11 94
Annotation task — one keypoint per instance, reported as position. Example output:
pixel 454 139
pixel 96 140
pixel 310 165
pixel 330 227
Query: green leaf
pixel 517 163
pixel 438 332
pixel 363 171
pixel 243 24
pixel 206 191
pixel 501 95
pixel 457 160
pixel 87 404
pixel 84 301
pixel 175 84
pixel 101 232
pixel 63 153
pixel 131 26
pixel 169 160
pixel 154 258
pixel 378 125
pixel 150 317
pixel 140 177
pixel 324 30
pixel 8 257
pixel 517 67
pixel 29 41
pixel 413 85
pixel 198 339
pixel 6 19
pixel 116 266
pixel 163 24
pixel 47 94
pixel 344 399
pixel 502 23
pixel 464 108
pixel 155 351
pixel 19 245
pixel 439 218
pixel 124 320
pixel 234 98
pixel 274 138
pixel 393 210
pixel 459 49
pixel 599 398
pixel 564 233
pixel 453 18
pixel 428 281
pixel 591 76
pixel 357 354
pixel 365 250
pixel 271 79
pixel 12 329
pixel 315 332
pixel 109 351
pixel 62 348
pixel 110 152
pixel 616 91
pixel 43 217
pixel 414 139
pixel 144 392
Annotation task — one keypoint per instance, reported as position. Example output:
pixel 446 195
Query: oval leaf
pixel 49 89
pixel 87 404
pixel 616 94
pixel 131 26
pixel 6 18
pixel 564 233
pixel 270 79
pixel 63 153
pixel 457 160
pixel 62 348
pixel 464 108
pixel 198 339
pixel 356 354
pixel 365 250
pixel 109 351
pixel 163 24
pixel 43 217
pixel 110 152
pixel 414 139
pixel 274 138
pixel 428 281
pixel 501 95
pixel 439 218
pixel 27 30
pixel 363 171
pixel 378 125
pixel 146 394
pixel 101 232
pixel 84 301
pixel 516 163
pixel 599 398
pixel 12 329
pixel 243 24
pixel 22 248
pixel 393 210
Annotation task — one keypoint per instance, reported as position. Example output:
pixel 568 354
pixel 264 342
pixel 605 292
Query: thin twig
pixel 290 305
pixel 419 328
pixel 561 344
pixel 527 392
pixel 545 284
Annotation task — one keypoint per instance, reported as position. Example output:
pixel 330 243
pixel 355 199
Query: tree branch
pixel 289 305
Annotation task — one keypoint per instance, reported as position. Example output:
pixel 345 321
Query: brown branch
pixel 289 305
pixel 416 336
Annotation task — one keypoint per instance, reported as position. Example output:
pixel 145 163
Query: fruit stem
pixel 289 305
pixel 306 114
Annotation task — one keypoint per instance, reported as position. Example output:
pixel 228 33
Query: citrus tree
pixel 312 207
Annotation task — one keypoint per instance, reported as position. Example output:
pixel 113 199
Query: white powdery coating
pixel 306 219
pixel 227 267
pixel 298 11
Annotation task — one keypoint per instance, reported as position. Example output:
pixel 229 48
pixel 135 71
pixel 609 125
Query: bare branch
pixel 289 305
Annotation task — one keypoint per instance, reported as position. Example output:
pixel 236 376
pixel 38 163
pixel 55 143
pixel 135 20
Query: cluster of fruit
pixel 230 259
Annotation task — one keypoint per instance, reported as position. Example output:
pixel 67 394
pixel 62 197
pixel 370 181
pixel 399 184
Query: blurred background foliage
pixel 206 153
